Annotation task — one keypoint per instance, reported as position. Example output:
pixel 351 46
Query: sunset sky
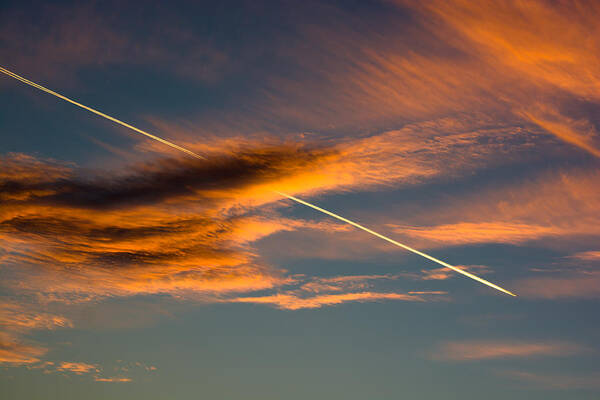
pixel 467 130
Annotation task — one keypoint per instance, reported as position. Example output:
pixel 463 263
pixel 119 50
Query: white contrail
pixel 113 119
pixel 379 235
pixel 452 267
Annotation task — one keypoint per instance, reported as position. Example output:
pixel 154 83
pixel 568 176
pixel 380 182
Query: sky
pixel 466 130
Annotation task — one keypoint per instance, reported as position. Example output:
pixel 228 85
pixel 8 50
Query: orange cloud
pixel 414 153
pixel 18 318
pixel 146 237
pixel 445 273
pixel 78 368
pixel 318 292
pixel 14 352
pixel 482 232
pixel 472 350
pixel 95 371
pixel 372 74
pixel 442 273
pixel 541 48
pixel 587 255
pixel 562 204
pixel 294 302
pixel 510 61
pixel 550 42
pixel 580 133
pixel 113 379
pixel 342 283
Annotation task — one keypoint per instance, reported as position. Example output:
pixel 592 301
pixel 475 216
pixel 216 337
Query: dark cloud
pixel 159 180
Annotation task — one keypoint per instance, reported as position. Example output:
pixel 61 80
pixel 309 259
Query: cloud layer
pixel 412 95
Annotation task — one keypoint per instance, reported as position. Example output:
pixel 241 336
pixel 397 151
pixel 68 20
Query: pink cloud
pixel 295 302
pixel 445 273
pixel 473 350
pixel 587 255
pixel 579 284
pixel 342 283
pixel 555 381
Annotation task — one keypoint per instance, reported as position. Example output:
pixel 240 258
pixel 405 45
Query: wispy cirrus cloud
pixel 359 74
pixel 343 283
pixel 554 381
pixel 113 379
pixel 445 273
pixel 139 230
pixel 566 285
pixel 461 233
pixel 295 302
pixel 551 205
pixel 445 58
pixel 74 38
pixel 96 371
pixel 319 292
pixel 527 45
pixel 474 350
pixel 578 132
pixel 19 318
pixel 16 321
pixel 78 368
pixel 15 352
pixel 554 205
pixel 530 38
pixel 592 255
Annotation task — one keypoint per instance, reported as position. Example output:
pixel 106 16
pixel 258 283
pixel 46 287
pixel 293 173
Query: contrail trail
pixel 379 235
pixel 113 119
pixel 452 267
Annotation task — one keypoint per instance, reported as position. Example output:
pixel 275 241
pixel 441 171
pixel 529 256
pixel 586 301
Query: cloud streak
pixel 396 243
pixel 475 350
pixel 13 352
pixel 555 381
pixel 527 45
pixel 557 204
pixel 573 285
pixel 294 302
